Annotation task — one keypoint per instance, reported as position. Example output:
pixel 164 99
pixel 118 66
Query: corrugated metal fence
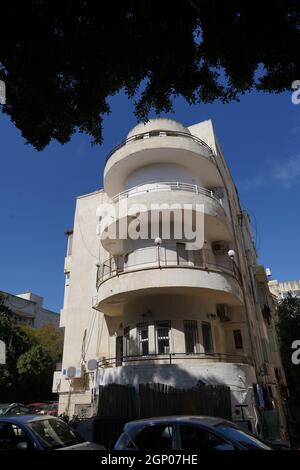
pixel 121 403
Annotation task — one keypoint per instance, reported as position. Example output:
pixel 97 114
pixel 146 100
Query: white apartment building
pixel 282 288
pixel 150 310
pixel 29 310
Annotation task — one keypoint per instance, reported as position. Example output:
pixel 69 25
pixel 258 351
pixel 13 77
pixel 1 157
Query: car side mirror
pixel 22 446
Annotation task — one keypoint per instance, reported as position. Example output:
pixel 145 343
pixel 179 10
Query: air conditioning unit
pixel 219 247
pixel 223 313
pixel 73 372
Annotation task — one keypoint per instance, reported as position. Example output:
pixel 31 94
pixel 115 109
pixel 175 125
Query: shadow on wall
pixel 180 376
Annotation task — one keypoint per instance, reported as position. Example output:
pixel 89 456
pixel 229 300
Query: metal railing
pixel 192 259
pixel 161 185
pixel 171 358
pixel 161 133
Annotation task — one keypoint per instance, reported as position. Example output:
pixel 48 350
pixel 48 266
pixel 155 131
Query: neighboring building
pixel 28 309
pixel 150 310
pixel 282 289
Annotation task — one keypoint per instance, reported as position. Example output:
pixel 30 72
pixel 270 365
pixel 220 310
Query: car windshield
pixel 3 408
pixel 54 433
pixel 241 436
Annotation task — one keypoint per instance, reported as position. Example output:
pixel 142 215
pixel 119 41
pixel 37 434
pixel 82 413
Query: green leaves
pixel 31 355
pixel 35 362
pixel 289 330
pixel 61 61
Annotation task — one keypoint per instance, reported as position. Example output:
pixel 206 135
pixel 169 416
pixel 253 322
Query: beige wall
pixel 161 294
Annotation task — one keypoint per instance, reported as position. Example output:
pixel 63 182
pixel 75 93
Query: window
pixel 207 338
pixel 143 339
pixel 70 243
pixel 54 433
pixel 159 437
pixel 242 437
pixel 163 337
pixel 198 257
pixel 196 438
pixel 182 254
pixel 12 437
pixel 238 340
pixel 126 342
pixel 191 336
pixel 264 345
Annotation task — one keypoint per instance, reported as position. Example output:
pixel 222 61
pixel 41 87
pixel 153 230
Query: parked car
pixel 45 408
pixel 50 409
pixel 187 433
pixel 10 409
pixel 36 408
pixel 34 432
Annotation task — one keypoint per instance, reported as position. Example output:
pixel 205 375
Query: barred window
pixel 126 342
pixel 238 340
pixel 163 329
pixel 143 339
pixel 207 337
pixel 191 336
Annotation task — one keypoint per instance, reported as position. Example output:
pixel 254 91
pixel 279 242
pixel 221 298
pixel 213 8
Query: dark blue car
pixel 33 432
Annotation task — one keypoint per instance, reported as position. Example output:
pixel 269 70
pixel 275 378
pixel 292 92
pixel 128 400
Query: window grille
pixel 191 336
pixel 143 339
pixel 163 329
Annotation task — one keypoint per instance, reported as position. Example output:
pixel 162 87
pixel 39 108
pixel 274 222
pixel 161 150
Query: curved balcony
pixel 159 146
pixel 199 273
pixel 169 193
pixel 161 185
pixel 174 359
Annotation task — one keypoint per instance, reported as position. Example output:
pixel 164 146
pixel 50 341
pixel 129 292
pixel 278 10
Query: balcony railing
pixel 161 133
pixel 157 185
pixel 156 257
pixel 173 358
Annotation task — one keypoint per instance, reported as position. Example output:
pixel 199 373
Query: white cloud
pixel 284 172
pixel 287 171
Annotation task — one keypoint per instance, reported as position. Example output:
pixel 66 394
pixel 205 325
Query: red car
pixel 36 408
pixel 51 408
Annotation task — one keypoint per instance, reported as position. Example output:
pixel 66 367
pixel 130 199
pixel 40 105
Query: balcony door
pixel 119 350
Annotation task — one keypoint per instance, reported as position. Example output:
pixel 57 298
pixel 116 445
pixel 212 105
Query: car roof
pixel 206 420
pixel 23 419
pixel 11 404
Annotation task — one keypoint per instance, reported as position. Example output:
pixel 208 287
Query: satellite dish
pixel 92 364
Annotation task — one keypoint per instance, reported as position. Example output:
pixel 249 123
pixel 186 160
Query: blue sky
pixel 260 138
